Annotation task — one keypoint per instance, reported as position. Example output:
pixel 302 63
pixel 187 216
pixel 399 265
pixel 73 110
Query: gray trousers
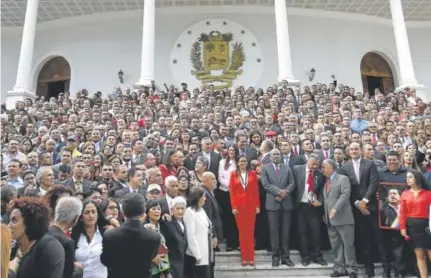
pixel 342 240
pixel 279 233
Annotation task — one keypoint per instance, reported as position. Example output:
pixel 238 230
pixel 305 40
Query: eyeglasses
pixel 113 207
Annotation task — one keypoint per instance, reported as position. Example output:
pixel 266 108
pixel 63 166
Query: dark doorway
pixel 55 88
pixel 373 83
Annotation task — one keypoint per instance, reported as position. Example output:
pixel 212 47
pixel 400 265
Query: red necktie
pixel 328 185
pixel 295 150
pixel 374 139
pixel 310 181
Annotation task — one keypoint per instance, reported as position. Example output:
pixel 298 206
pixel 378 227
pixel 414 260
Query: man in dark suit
pixel 119 180
pixel 309 181
pixel 364 178
pixel 325 152
pixel 128 251
pixel 136 179
pixel 390 209
pixel 67 212
pixel 175 234
pixel 77 182
pixel 213 157
pixel 338 217
pixel 277 179
pixel 241 143
pixel 212 209
pixel 288 157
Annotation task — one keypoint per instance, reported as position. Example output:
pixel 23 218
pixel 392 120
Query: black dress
pixel 416 229
pixel 44 260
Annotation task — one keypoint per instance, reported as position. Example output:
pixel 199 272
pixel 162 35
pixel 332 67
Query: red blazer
pixel 165 172
pixel 240 197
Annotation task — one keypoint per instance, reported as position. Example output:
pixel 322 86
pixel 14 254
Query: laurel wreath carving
pixel 196 57
pixel 238 56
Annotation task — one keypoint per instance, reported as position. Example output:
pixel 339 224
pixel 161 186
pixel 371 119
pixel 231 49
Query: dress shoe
pixel 353 275
pixel 275 262
pixel 251 263
pixel 369 271
pixel 287 262
pixel 320 261
pixel 229 249
pixel 306 261
pixel 244 263
pixel 338 274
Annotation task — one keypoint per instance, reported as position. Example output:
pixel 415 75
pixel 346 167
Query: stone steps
pixel 228 265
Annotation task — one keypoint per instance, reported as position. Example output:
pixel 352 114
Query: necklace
pixel 30 246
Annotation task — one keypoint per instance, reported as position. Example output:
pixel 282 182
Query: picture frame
pixel 388 204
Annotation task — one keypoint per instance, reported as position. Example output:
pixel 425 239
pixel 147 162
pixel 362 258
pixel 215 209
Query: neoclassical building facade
pixel 68 45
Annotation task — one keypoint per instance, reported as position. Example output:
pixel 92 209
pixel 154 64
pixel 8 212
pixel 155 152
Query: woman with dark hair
pixel 54 194
pixel 111 208
pixel 226 167
pixel 199 254
pixel 256 139
pixel 185 141
pixel 115 161
pixel 153 212
pixel 87 235
pixel 96 166
pixel 414 217
pixel 169 164
pixel 244 197
pixel 26 146
pixel 183 186
pixel 39 255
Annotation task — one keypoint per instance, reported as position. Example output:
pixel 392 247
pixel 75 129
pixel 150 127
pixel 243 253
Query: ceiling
pixel 13 11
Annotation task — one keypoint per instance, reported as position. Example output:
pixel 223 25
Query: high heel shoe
pixel 251 263
pixel 244 263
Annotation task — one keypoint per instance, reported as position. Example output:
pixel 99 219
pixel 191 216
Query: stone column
pixel 22 88
pixel 148 41
pixel 407 73
pixel 285 71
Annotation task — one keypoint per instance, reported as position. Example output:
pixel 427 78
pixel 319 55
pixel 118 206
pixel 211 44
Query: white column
pixel 285 71
pixel 148 40
pixel 407 73
pixel 22 88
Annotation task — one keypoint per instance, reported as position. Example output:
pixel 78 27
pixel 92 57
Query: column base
pixel 290 81
pixel 13 96
pixel 146 82
pixel 421 90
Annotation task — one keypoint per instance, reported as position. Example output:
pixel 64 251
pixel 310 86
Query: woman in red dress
pixel 244 197
pixel 169 164
pixel 414 216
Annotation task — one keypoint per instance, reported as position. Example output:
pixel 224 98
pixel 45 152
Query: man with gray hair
pixel 44 179
pixel 265 148
pixel 67 212
pixel 338 217
pixel 171 187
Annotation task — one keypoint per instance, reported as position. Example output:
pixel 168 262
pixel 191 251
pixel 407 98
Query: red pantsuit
pixel 245 199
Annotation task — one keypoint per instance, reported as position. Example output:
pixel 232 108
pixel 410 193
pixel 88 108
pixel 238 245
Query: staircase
pixel 228 265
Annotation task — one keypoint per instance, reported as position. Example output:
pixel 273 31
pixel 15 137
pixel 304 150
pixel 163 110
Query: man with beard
pixel 127 157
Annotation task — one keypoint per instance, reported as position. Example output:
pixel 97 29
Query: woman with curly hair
pixel 39 255
pixel 54 194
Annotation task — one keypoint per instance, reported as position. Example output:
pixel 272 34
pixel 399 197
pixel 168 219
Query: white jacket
pixel 224 175
pixel 197 226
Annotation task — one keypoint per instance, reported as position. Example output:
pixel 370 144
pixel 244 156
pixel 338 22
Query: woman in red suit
pixel 414 218
pixel 244 197
pixel 169 165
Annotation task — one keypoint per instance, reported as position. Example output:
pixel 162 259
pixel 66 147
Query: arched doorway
pixel 376 73
pixel 54 78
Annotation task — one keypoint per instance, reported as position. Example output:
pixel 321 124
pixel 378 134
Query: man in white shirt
pixel 171 184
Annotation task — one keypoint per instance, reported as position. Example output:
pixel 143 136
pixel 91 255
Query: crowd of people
pixel 149 183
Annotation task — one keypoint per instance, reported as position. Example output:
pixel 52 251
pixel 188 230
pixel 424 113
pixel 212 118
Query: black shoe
pixel 369 271
pixel 306 261
pixel 386 273
pixel 338 274
pixel 320 261
pixel 229 249
pixel 287 262
pixel 275 262
pixel 353 275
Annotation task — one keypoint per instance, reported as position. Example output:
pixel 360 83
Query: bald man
pixel 364 179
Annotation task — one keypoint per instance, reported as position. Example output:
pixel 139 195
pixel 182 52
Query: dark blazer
pixel 123 192
pixel 44 260
pixel 176 241
pixel 266 159
pixel 251 154
pixel 300 175
pixel 214 162
pixel 164 206
pixel 369 182
pixel 320 153
pixel 273 184
pixel 129 250
pixel 69 249
pixel 115 186
pixel 213 212
pixel 294 160
pixel 71 184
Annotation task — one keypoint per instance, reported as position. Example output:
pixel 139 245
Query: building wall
pixel 97 47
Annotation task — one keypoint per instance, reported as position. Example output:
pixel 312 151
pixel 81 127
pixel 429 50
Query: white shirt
pixel 224 175
pixel 243 178
pixel 89 255
pixel 304 198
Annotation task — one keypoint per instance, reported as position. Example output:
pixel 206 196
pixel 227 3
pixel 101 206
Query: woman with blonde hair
pixel 8 269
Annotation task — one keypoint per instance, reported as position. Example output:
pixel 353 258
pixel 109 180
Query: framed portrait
pixel 388 204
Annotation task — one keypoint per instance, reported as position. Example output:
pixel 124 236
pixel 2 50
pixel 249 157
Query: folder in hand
pixel 163 250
